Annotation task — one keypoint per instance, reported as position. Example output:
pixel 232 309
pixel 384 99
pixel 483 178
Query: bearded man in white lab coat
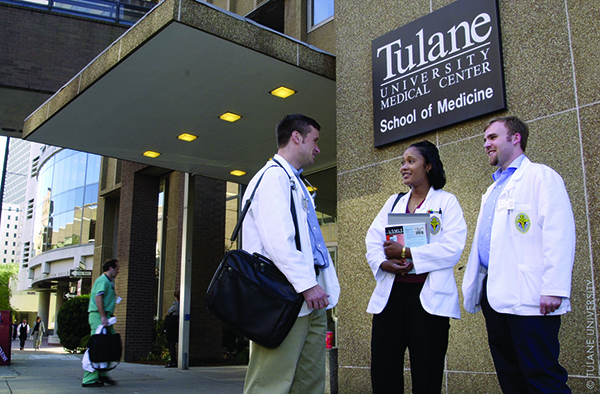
pixel 521 261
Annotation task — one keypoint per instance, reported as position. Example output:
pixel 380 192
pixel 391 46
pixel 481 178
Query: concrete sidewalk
pixel 52 370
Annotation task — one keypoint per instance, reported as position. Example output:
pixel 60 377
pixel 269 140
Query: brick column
pixel 206 331
pixel 136 251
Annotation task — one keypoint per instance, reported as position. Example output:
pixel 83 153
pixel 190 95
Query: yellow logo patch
pixel 435 225
pixel 522 222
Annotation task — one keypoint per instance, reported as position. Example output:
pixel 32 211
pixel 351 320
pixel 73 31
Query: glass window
pixel 70 200
pixel 319 11
pixel 67 182
pixel 79 197
pixel 59 221
pixel 93 169
pixel 88 224
pixel 91 194
pixel 60 204
pixel 80 161
pixel 60 183
pixel 71 175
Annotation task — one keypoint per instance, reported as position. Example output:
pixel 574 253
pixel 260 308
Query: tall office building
pixel 12 221
pixel 15 184
pixel 10 236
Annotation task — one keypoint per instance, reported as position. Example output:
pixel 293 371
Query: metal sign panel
pixel 438 70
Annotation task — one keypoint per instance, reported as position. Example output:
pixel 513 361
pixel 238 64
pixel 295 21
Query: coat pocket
pixel 530 284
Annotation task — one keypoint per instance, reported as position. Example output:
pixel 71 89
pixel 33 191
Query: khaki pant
pixel 296 366
pixel 37 339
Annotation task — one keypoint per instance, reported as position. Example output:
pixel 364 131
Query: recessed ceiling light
pixel 187 137
pixel 229 117
pixel 282 92
pixel 152 154
pixel 237 173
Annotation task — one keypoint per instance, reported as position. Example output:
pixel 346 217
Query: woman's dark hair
pixel 436 176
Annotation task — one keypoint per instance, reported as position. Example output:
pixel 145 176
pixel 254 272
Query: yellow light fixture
pixel 152 154
pixel 187 137
pixel 311 189
pixel 237 173
pixel 282 92
pixel 229 117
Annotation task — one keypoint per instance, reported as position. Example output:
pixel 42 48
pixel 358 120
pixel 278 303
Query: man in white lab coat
pixel 298 364
pixel 520 265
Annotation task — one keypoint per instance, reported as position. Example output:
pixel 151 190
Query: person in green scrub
pixel 101 308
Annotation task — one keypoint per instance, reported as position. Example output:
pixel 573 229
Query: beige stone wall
pixel 321 37
pixel 551 52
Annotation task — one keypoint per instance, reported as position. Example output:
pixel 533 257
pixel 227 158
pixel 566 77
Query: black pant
pixel 172 343
pixel 405 324
pixel 525 350
pixel 23 339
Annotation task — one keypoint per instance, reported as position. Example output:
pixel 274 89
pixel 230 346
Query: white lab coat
pixel 525 265
pixel 439 295
pixel 268 229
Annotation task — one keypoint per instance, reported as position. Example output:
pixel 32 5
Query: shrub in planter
pixel 72 321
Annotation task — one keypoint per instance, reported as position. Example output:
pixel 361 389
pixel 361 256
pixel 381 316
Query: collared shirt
pixel 105 287
pixel 489 209
pixel 317 242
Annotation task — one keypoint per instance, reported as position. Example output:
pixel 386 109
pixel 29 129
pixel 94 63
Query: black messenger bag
pixel 105 348
pixel 250 295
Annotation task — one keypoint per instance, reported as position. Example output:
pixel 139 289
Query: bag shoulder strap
pixel 397 199
pixel 238 225
pixel 292 207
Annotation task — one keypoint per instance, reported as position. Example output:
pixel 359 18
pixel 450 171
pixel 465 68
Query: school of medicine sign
pixel 438 70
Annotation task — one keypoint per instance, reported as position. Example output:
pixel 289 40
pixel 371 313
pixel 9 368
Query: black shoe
pixel 171 366
pixel 107 380
pixel 95 384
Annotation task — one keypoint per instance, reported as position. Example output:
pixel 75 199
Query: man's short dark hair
pixel 437 175
pixel 513 126
pixel 297 122
pixel 108 264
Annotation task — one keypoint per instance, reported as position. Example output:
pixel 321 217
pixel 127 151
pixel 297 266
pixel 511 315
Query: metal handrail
pixel 120 11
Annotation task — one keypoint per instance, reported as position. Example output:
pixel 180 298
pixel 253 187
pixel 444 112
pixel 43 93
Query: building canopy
pixel 176 71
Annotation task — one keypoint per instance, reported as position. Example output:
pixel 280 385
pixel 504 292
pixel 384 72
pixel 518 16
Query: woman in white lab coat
pixel 416 293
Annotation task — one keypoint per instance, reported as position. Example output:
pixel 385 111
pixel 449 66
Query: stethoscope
pixel 313 193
